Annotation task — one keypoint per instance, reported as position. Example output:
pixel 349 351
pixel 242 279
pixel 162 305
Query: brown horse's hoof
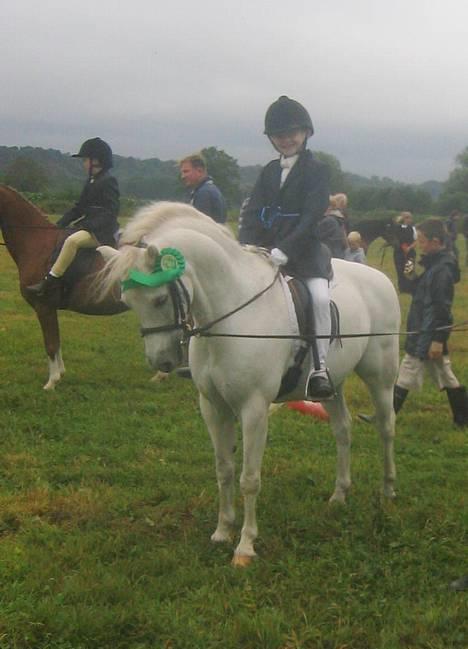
pixel 241 561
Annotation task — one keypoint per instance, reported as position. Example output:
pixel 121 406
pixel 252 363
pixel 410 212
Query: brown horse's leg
pixel 48 320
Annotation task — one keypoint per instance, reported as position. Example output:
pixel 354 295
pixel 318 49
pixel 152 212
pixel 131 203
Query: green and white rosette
pixel 170 264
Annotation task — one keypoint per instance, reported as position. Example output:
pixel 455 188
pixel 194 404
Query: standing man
pixel 204 196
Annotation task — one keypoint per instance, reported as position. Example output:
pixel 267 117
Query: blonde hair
pixel 338 201
pixel 354 236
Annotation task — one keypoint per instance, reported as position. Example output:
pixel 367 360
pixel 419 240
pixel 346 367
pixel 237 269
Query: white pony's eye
pixel 160 300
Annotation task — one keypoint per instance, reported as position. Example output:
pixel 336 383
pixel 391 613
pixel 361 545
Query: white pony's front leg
pixel 220 425
pixel 56 370
pixel 254 420
pixel 340 421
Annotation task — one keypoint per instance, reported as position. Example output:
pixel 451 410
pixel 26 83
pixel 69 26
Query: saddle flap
pixel 304 308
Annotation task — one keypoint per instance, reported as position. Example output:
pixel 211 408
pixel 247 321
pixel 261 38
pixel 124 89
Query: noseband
pixel 181 306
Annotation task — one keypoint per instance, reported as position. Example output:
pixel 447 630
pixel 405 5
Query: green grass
pixel 108 499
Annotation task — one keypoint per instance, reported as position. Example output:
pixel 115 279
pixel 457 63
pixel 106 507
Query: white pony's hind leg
pixel 254 421
pixel 56 370
pixel 385 423
pixel 340 421
pixel 220 425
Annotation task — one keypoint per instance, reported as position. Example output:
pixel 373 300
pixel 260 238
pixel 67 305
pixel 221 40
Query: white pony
pixel 238 378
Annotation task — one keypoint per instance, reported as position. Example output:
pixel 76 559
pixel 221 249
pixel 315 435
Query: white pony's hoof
pixel 220 537
pixel 338 497
pixel 50 385
pixel 242 560
pixel 159 377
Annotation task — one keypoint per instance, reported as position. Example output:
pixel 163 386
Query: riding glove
pixel 278 257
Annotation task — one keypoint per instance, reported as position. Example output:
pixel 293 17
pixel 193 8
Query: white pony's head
pixel 161 308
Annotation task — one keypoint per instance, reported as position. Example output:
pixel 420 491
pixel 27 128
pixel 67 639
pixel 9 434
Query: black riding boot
pixel 48 288
pixel 399 396
pixel 319 387
pixel 458 400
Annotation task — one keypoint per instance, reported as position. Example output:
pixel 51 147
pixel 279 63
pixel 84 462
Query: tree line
pixel 58 177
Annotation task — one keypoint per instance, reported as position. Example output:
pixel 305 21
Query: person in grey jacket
pixel 332 227
pixel 283 213
pixel 355 251
pixel 205 195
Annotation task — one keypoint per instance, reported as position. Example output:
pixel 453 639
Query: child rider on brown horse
pixel 93 218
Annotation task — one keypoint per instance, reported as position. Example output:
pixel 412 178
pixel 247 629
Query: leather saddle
pixel 304 309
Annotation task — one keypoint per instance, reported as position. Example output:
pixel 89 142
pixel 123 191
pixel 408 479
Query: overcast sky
pixel 385 81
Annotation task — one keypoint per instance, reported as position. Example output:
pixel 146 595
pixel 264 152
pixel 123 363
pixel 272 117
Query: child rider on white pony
pixel 287 203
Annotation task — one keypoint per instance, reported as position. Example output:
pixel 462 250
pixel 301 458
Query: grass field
pixel 108 499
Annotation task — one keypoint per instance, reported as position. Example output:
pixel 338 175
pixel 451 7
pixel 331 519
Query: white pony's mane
pixel 154 215
pixel 147 221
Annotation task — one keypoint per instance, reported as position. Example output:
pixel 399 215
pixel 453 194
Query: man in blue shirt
pixel 204 196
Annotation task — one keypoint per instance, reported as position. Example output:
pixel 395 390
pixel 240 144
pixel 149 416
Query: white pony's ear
pixel 107 252
pixel 151 254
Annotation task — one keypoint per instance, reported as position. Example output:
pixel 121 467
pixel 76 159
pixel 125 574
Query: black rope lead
pixel 202 332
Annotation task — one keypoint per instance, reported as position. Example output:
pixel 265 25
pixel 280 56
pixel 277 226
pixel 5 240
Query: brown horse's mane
pixel 13 198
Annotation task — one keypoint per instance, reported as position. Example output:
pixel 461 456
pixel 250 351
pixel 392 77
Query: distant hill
pixel 157 179
pixel 152 178
pixel 432 187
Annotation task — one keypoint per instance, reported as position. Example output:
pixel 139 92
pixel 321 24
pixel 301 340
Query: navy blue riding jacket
pixel 287 218
pixel 97 208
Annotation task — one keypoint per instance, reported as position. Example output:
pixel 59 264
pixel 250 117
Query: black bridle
pixel 181 306
pixel 182 318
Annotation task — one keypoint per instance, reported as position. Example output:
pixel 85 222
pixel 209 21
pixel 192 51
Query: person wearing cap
pixel 93 219
pixel 288 201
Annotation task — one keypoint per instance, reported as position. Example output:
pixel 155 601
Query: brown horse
pixel 31 240
pixel 371 229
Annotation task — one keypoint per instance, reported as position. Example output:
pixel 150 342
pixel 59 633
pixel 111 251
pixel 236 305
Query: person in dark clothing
pixel 93 218
pixel 205 196
pixel 404 248
pixel 430 311
pixel 451 225
pixel 283 212
pixel 332 228
pixel 430 315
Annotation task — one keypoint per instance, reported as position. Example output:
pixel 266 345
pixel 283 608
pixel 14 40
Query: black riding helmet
pixel 285 115
pixel 96 149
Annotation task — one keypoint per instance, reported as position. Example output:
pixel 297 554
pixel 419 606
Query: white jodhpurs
pixel 320 293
